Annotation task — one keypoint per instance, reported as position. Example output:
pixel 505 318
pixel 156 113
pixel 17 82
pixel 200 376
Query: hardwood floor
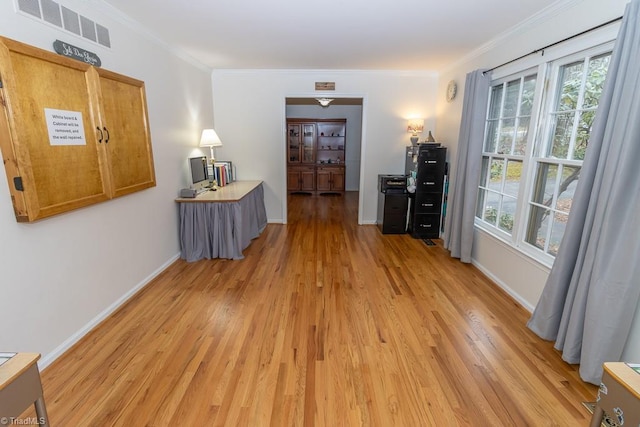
pixel 324 323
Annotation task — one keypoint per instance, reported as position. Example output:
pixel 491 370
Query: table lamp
pixel 211 139
pixel 415 126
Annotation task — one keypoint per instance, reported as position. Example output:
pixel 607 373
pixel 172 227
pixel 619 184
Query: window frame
pixel 510 238
pixel 546 69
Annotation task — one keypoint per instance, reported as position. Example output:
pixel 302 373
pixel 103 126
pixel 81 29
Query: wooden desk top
pixel 625 375
pixel 229 193
pixel 16 366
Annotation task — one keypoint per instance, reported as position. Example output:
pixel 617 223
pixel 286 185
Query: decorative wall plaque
pixel 325 85
pixel 74 52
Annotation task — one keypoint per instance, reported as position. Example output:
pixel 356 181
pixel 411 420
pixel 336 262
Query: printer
pixel 395 184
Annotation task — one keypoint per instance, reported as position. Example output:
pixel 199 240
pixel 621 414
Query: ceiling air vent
pixel 88 28
pixel 32 7
pixel 51 12
pixel 71 21
pixel 60 16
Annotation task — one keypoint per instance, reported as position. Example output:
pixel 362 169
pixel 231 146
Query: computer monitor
pixel 199 173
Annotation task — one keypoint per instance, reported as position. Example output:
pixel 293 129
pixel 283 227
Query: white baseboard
pixel 504 286
pixel 66 345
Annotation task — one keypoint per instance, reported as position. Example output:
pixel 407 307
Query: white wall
pixel 61 275
pixel 353 115
pixel 250 113
pixel 523 277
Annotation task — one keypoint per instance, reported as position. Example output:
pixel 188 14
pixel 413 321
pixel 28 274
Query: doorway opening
pixel 331 151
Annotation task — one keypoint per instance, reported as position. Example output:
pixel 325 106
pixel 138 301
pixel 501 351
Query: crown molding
pixel 121 18
pixel 545 14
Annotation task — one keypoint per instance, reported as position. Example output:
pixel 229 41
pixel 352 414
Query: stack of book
pixel 223 173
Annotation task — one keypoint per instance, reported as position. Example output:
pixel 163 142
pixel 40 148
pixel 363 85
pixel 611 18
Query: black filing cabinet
pixel 429 167
pixel 392 204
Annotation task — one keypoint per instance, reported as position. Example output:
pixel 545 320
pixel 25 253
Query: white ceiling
pixel 330 34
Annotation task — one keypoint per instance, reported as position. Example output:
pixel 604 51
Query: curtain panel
pixel 591 296
pixel 458 229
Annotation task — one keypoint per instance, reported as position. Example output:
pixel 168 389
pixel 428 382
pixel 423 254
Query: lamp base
pixel 214 184
pixel 414 140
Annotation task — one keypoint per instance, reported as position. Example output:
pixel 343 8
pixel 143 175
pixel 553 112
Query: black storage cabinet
pixel 393 205
pixel 425 211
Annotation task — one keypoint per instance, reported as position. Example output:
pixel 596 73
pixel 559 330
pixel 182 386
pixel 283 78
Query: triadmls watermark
pixel 26 421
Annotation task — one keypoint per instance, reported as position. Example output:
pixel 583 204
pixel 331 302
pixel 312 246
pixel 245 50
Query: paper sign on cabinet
pixel 65 127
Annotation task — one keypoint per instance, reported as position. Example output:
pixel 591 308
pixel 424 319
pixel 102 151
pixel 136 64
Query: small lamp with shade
pixel 211 139
pixel 415 126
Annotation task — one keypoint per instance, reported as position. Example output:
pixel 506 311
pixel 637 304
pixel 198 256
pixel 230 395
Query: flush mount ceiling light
pixel 324 101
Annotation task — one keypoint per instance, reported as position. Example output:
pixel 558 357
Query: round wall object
pixel 452 90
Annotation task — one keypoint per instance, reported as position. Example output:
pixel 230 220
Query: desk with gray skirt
pixel 222 223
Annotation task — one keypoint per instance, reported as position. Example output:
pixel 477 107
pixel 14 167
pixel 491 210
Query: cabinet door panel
pixel 308 143
pixel 323 179
pixel 124 115
pixel 293 146
pixel 293 180
pixel 56 177
pixel 337 179
pixel 308 179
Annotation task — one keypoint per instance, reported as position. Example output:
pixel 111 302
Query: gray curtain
pixel 458 228
pixel 592 293
pixel 221 229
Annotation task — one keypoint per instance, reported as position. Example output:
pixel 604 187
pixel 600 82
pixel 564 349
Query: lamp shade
pixel 415 126
pixel 210 138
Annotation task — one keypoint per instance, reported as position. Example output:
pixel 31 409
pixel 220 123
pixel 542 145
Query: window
pixel 579 85
pixel 506 136
pixel 537 131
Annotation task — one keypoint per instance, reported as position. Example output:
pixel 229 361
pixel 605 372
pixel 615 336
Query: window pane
pixel 511 99
pixel 480 202
pixel 506 136
pixel 484 173
pixel 507 214
pixel 512 180
pixel 522 134
pixel 563 126
pixel 557 231
pixel 570 175
pixel 570 82
pixel 538 224
pixel 583 133
pixel 496 102
pixel 492 201
pixel 495 180
pixel 596 75
pixel 545 184
pixel 492 137
pixel 528 90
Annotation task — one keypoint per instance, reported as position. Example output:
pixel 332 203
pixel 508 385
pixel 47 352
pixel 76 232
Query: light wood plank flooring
pixel 324 323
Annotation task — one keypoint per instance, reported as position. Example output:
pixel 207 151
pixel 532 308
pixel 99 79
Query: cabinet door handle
pixel 429 183
pixel 425 225
pixel 107 131
pixel 431 162
pixel 428 205
pixel 101 135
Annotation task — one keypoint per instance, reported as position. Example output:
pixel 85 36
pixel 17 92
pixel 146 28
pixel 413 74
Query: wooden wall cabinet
pixel 301 178
pixel 316 155
pixel 330 178
pixel 50 172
